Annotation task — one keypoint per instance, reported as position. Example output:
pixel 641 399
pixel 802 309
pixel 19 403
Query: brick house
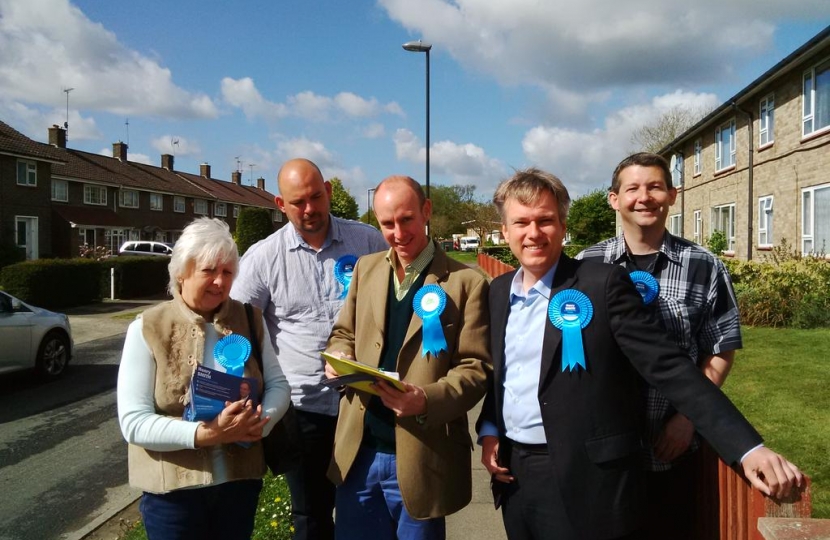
pixel 758 166
pixel 94 200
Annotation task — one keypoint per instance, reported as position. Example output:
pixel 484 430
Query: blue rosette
pixel 429 304
pixel 343 269
pixel 571 311
pixel 231 352
pixel 647 286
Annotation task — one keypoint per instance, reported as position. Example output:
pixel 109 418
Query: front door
pixel 26 235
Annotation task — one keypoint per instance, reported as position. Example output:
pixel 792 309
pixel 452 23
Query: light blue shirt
pixel 295 287
pixel 523 339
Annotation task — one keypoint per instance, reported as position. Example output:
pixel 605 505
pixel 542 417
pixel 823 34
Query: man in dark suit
pixel 561 426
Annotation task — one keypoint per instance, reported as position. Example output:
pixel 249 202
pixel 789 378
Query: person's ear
pixel 613 200
pixel 427 209
pixel 280 203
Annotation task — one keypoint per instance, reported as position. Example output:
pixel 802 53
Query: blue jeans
pixel 221 512
pixel 369 504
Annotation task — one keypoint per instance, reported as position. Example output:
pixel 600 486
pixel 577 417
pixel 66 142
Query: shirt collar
pixel 542 287
pixel 667 247
pixel 419 264
pixel 333 235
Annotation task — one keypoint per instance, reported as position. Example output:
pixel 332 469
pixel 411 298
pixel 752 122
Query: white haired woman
pixel 197 482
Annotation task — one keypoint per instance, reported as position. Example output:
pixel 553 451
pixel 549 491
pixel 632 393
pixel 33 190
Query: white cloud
pixel 374 131
pixel 35 121
pixel 464 163
pixel 302 147
pixel 50 45
pixel 584 160
pixel 593 45
pixel 173 144
pixel 243 94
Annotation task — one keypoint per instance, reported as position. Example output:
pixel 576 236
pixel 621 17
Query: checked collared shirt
pixel 696 305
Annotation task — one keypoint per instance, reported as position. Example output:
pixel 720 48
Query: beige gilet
pixel 176 337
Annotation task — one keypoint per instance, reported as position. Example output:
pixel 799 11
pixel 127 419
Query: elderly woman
pixel 197 482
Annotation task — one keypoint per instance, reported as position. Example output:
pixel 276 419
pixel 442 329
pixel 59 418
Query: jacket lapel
pixel 378 286
pixel 563 278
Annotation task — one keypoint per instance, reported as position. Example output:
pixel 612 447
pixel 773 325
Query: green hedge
pixel 506 256
pixel 62 283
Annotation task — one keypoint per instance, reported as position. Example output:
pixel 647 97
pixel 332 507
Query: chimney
pixel 57 136
pixel 236 178
pixel 204 170
pixel 119 150
pixel 260 183
pixel 167 162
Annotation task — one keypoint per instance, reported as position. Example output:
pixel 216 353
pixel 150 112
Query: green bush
pixel 784 290
pixel 717 243
pixel 54 283
pixel 135 277
pixel 253 225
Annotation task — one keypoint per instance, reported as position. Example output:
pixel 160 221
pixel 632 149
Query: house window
pixel 114 238
pixel 156 201
pixel 698 219
pixel 677 171
pixel 698 152
pixel 26 173
pixel 725 146
pixel 60 190
pixel 86 237
pixel 816 99
pixel 815 219
pixel 200 207
pixel 236 211
pixel 765 221
pixel 277 216
pixel 675 224
pixel 220 209
pixel 178 204
pixel 766 121
pixel 723 219
pixel 129 198
pixel 95 195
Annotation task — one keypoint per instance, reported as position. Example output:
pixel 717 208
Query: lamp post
pixel 369 205
pixel 419 46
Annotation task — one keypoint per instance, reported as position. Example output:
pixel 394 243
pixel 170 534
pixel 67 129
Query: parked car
pixel 33 337
pixel 468 243
pixel 146 247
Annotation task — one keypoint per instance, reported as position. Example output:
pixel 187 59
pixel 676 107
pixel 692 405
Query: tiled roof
pixel 15 143
pixel 230 192
pixel 90 216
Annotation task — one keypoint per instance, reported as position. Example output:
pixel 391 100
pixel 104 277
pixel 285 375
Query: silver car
pixel 33 337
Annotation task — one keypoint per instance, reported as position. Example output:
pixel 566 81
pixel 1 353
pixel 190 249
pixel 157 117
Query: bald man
pixel 297 277
pixel 402 458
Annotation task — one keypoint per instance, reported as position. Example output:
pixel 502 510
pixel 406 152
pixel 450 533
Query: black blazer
pixel 593 417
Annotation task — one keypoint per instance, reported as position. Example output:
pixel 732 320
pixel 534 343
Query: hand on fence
pixel 771 473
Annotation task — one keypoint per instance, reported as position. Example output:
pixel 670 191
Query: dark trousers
pixel 312 494
pixel 221 512
pixel 672 495
pixel 532 506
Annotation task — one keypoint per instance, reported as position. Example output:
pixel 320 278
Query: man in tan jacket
pixel 402 459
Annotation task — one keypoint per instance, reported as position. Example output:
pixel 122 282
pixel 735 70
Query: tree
pixel 252 225
pixel 370 218
pixel 343 205
pixel 483 218
pixel 670 125
pixel 591 219
pixel 450 205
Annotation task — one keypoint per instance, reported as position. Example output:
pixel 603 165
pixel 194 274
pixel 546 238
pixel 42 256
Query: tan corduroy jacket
pixel 176 337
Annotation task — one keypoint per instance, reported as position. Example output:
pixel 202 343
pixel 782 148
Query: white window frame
pixel 26 173
pixel 156 202
pixel 236 211
pixel 114 239
pixel 60 194
pixel 765 221
pixel 698 226
pixel 200 207
pixel 809 97
pixel 808 220
pixel 729 231
pixel 178 204
pixel 720 159
pixel 132 195
pixel 32 230
pixel 83 237
pixel 766 120
pixel 677 171
pixel 100 190
pixel 698 153
pixel 220 209
pixel 676 224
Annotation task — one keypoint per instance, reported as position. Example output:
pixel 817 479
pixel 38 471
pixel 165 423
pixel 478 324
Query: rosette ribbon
pixel 571 311
pixel 647 286
pixel 429 304
pixel 343 269
pixel 231 352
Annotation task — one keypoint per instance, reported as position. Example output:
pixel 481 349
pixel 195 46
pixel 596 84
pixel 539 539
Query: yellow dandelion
pixel 278 499
pixel 273 523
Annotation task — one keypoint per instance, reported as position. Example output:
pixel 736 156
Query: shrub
pixel 717 243
pixel 253 225
pixel 54 283
pixel 136 277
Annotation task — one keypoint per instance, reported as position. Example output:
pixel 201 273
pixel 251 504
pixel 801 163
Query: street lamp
pixel 369 205
pixel 419 46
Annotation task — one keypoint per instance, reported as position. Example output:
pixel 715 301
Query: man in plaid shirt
pixel 695 302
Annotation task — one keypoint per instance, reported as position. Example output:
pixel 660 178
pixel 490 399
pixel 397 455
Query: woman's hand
pixel 238 422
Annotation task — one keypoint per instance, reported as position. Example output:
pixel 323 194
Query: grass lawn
pixel 466 257
pixel 780 382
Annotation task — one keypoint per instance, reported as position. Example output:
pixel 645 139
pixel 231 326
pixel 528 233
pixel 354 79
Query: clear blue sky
pixel 556 84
